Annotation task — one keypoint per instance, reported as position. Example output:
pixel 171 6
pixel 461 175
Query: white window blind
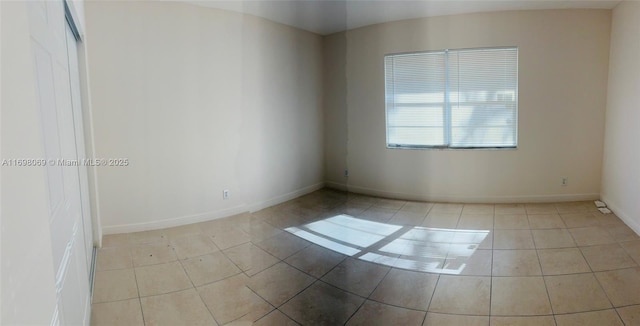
pixel 452 98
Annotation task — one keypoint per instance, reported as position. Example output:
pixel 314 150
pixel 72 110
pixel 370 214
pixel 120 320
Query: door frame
pixel 73 40
pixel 73 10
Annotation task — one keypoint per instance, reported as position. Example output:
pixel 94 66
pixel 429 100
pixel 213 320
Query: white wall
pixel 621 167
pixel 200 100
pixel 563 59
pixel 27 276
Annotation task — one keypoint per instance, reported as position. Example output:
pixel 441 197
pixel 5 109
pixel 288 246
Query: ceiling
pixel 330 16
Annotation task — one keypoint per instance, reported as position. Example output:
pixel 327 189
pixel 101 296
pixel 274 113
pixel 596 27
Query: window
pixel 464 98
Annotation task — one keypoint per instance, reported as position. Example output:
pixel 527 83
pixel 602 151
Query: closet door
pixel 49 33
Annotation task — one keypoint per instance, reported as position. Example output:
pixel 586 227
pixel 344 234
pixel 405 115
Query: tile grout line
pixel 598 280
pixel 365 298
pixel 491 271
pixel 435 287
pixel 293 297
pixel 355 312
pixel 274 307
pixel 544 280
pixel 135 276
pixel 207 306
pixel 394 305
pixel 637 261
pixel 323 275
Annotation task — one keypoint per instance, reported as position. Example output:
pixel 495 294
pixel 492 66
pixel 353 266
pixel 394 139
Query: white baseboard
pixel 336 185
pixel 171 222
pixel 203 217
pixel 634 224
pixel 283 198
pixel 183 220
pixel 474 199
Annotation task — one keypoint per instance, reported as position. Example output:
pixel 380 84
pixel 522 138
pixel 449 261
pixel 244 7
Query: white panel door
pixel 59 107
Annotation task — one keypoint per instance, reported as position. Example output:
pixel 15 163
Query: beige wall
pixel 563 59
pixel 335 113
pixel 621 170
pixel 27 280
pixel 200 100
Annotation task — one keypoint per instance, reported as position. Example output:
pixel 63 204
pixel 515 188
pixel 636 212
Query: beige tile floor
pixel 331 258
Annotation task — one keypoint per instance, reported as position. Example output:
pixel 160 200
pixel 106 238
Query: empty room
pixel 312 162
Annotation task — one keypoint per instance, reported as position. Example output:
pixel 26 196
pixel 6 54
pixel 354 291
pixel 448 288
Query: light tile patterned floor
pixel 332 258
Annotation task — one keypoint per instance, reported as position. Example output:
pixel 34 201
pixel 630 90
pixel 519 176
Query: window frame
pixel 447 103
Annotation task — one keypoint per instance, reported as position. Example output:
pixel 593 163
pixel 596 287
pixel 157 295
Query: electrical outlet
pixel 346 173
pixel 565 181
pixel 225 194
